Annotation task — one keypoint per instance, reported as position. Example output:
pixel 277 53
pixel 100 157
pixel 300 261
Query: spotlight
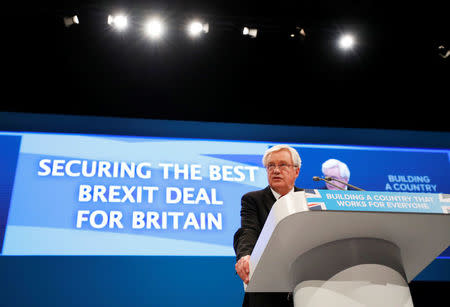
pixel 154 28
pixel 443 52
pixel 119 22
pixel 251 32
pixel 301 31
pixel 346 41
pixel 298 33
pixel 68 21
pixel 195 28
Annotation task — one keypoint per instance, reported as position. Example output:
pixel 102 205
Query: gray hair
pixel 294 154
pixel 343 168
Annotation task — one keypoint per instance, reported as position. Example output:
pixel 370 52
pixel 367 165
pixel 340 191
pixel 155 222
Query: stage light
pixel 251 32
pixel 119 22
pixel 298 33
pixel 301 31
pixel 195 28
pixel 443 52
pixel 346 41
pixel 154 28
pixel 68 21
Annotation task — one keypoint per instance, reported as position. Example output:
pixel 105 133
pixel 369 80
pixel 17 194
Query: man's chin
pixel 278 186
pixel 277 180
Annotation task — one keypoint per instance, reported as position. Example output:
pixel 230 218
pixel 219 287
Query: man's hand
pixel 243 268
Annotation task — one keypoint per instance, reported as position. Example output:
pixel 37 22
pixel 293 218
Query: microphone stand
pixel 318 178
pixel 328 179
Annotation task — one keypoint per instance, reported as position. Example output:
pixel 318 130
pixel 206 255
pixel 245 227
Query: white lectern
pixel 345 257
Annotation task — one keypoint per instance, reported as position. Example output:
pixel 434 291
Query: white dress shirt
pixel 277 195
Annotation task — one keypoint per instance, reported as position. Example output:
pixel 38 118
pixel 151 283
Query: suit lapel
pixel 269 198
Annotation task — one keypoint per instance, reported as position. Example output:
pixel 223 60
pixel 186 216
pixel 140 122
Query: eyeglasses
pixel 282 167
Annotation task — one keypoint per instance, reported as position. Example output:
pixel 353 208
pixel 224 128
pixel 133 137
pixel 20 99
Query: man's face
pixel 282 179
pixel 335 173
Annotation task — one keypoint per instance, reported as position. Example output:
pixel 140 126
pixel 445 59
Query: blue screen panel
pixel 9 150
pixel 115 195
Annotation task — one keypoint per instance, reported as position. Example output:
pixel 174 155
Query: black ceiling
pixel 394 78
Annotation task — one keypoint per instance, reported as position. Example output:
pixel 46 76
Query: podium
pixel 349 248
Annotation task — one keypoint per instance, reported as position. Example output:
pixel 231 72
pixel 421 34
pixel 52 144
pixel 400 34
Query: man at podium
pixel 283 164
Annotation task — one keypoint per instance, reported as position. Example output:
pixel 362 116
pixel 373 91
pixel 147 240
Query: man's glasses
pixel 282 167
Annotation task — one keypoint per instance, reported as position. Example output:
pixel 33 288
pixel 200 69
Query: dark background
pixel 394 77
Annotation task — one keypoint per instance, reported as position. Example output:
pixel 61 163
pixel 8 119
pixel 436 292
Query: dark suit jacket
pixel 255 207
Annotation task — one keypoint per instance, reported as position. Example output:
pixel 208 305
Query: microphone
pixel 315 178
pixel 328 179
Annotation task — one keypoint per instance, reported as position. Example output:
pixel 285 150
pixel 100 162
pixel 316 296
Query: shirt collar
pixel 277 195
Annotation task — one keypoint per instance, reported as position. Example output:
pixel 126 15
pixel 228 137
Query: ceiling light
pixel 154 28
pixel 251 32
pixel 68 21
pixel 195 28
pixel 346 41
pixel 119 22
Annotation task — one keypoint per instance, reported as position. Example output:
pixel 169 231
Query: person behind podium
pixel 336 169
pixel 283 164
